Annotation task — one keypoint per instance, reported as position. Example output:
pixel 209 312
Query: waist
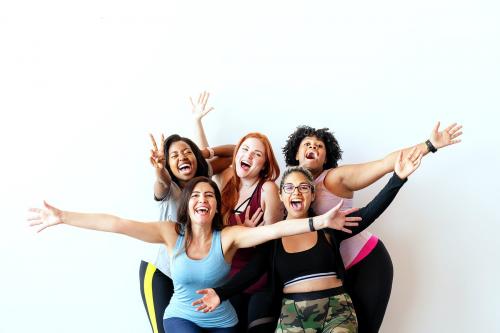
pixel 310 295
pixel 313 285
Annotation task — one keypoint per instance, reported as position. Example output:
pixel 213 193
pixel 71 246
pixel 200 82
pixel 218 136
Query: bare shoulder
pixel 225 176
pixel 269 187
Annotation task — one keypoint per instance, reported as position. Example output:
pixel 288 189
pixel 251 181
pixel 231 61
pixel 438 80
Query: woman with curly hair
pixel 369 267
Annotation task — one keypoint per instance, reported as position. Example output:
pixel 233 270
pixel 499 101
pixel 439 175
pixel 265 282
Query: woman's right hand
pixel 45 217
pixel 250 221
pixel 209 302
pixel 157 157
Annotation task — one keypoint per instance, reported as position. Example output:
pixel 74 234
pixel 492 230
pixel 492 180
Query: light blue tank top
pixel 190 275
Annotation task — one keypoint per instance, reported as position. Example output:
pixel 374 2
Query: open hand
pixel 337 219
pixel 199 109
pixel 446 137
pixel 209 302
pixel 45 217
pixel 250 221
pixel 405 166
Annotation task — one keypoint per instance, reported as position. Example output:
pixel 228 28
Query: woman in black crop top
pixel 307 269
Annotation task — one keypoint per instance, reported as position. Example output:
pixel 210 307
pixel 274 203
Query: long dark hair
pixel 202 164
pixel 183 225
pixel 333 151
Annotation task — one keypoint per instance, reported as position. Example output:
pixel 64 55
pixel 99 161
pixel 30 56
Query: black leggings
pixel 254 312
pixel 156 291
pixel 369 283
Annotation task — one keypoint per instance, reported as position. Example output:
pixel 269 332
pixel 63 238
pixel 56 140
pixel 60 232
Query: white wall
pixel 82 84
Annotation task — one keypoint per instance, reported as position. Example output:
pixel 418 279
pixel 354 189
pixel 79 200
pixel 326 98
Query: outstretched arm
pixel 349 178
pixel 403 168
pixel 153 232
pixel 236 237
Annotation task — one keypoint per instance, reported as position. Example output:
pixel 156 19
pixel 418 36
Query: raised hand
pixel 405 166
pixel 45 217
pixel 157 157
pixel 446 137
pixel 337 219
pixel 209 302
pixel 199 109
pixel 250 221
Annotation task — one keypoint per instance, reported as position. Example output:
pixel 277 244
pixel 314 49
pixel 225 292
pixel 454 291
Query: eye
pixel 195 195
pixel 304 187
pixel 174 155
pixel 244 148
pixel 288 187
pixel 258 154
pixel 307 144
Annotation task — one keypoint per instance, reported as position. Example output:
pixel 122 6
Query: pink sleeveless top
pixel 243 256
pixel 355 248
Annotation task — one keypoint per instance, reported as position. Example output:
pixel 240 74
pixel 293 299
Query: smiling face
pixel 182 161
pixel 301 195
pixel 250 158
pixel 312 154
pixel 202 204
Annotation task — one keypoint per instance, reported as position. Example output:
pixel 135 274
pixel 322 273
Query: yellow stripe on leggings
pixel 148 293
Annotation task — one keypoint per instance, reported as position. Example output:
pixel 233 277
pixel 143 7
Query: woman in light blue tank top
pixel 200 249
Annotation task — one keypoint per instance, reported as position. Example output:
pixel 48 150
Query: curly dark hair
pixel 202 168
pixel 333 151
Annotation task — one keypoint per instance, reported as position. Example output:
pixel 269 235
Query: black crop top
pixel 316 262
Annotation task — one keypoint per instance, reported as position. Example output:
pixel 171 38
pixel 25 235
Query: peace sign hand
pixel 157 157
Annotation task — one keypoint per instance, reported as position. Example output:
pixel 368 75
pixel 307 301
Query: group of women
pixel 254 256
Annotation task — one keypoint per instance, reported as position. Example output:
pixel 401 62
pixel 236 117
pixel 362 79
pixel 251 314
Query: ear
pixel 313 196
pixel 297 155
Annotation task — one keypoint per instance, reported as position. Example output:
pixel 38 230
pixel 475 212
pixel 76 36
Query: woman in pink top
pixel 369 268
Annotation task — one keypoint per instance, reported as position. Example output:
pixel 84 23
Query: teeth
pixel 245 164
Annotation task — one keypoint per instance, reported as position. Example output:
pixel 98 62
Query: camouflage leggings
pixel 331 314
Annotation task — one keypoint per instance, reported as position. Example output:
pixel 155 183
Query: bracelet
pixel 311 224
pixel 430 146
pixel 211 153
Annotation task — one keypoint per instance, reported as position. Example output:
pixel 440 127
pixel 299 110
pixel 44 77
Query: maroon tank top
pixel 243 256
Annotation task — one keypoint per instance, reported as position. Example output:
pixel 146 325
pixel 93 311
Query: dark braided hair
pixel 333 151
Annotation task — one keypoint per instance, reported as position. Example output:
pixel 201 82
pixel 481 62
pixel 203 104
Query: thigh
pixel 261 317
pixel 156 291
pixel 369 283
pixel 303 316
pixel 341 316
pixel 181 325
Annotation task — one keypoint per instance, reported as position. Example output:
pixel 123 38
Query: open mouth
pixel 297 204
pixel 245 165
pixel 311 155
pixel 185 168
pixel 201 211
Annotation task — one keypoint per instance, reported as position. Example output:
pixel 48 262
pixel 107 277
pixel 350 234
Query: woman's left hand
pixel 199 109
pixel 446 137
pixel 404 167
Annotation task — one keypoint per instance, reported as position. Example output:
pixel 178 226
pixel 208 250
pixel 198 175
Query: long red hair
pixel 269 172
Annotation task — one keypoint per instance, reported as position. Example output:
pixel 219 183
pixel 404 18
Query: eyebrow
pixel 206 192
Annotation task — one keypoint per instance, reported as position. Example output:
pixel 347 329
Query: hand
pixel 157 158
pixel 336 219
pixel 446 137
pixel 45 217
pixel 199 110
pixel 250 221
pixel 405 166
pixel 209 302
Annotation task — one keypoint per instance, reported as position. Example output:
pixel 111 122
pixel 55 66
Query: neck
pixel 300 216
pixel 201 233
pixel 315 172
pixel 248 182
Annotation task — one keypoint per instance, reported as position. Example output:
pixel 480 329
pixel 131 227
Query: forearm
pixel 391 158
pixel 99 222
pixel 200 137
pixel 162 183
pixel 376 207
